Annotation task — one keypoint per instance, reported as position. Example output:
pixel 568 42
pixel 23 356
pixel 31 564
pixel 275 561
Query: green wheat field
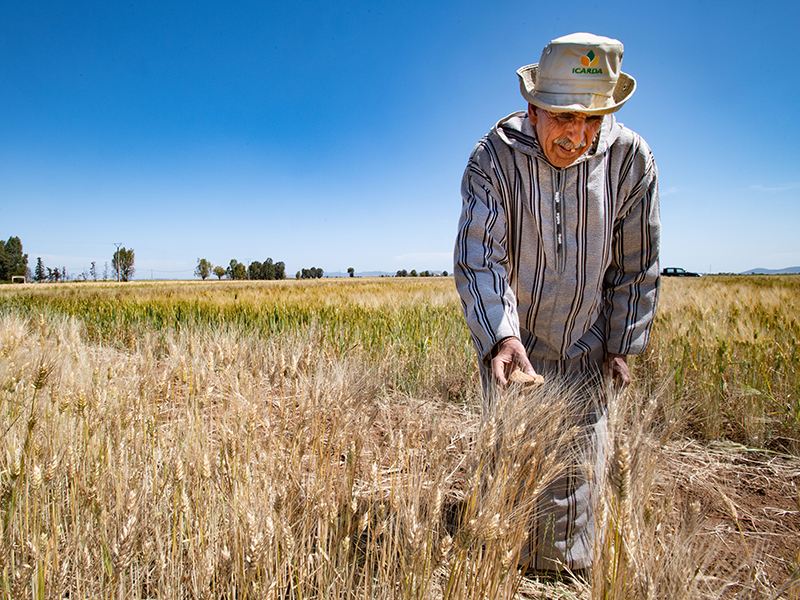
pixel 323 439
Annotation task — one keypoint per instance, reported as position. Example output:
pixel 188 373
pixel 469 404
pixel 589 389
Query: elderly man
pixel 556 258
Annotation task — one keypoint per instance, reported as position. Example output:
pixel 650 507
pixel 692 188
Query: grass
pixel 322 440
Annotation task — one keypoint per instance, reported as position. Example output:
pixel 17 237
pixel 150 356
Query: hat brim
pixel 623 90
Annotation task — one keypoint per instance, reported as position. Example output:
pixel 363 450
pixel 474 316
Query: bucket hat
pixel 580 73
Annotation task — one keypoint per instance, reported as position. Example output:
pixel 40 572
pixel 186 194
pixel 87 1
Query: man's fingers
pixel 498 370
pixel 617 369
pixel 510 355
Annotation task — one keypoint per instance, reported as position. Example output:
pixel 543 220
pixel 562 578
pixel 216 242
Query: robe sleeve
pixel 481 265
pixel 631 282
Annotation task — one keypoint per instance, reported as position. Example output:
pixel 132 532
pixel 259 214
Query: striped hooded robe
pixel 565 259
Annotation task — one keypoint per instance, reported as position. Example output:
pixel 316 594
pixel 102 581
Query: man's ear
pixel 532 114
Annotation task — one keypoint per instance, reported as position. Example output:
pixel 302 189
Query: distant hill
pixel 786 271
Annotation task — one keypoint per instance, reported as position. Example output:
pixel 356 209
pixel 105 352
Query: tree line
pixel 413 273
pixel 255 270
pixel 14 263
pixel 236 270
pixel 121 269
pixel 312 273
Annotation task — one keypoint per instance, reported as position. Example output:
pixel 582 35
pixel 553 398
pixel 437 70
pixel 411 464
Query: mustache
pixel 565 143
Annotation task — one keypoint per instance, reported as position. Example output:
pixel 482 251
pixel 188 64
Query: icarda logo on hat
pixel 590 59
pixel 580 73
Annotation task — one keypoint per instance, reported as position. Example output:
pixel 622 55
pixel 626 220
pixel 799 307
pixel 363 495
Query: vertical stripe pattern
pixel 564 259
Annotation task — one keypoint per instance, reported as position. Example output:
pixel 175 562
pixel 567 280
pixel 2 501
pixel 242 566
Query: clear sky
pixel 334 134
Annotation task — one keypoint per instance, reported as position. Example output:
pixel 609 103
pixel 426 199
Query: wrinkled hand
pixel 510 354
pixel 617 369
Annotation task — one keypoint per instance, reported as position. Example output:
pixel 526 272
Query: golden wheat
pixel 323 439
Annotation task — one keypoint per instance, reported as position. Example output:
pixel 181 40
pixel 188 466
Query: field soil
pixel 751 503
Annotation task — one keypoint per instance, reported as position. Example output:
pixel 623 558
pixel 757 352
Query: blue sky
pixel 335 134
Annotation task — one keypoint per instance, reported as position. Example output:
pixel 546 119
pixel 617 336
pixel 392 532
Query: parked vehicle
pixel 678 272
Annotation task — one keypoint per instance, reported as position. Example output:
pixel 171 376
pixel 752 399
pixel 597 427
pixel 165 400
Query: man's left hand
pixel 617 369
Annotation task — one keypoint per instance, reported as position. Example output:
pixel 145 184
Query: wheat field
pixel 322 439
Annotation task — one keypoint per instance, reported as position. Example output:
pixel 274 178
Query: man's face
pixel 564 137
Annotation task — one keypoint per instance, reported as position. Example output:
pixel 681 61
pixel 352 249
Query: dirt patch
pixel 750 500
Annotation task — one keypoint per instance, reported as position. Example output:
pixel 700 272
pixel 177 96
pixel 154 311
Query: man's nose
pixel 576 130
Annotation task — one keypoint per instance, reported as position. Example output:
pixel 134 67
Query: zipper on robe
pixel 559 238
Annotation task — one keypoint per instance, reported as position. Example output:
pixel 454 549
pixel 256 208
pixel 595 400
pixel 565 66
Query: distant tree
pixel 105 272
pixel 280 270
pixel 12 260
pixel 351 271
pixel 39 273
pixel 219 272
pixel 268 269
pixel 254 270
pixel 444 273
pixel 402 273
pixel 413 273
pixel 297 275
pixel 425 273
pixel 236 270
pixel 203 269
pixel 93 271
pixel 122 264
pixel 64 276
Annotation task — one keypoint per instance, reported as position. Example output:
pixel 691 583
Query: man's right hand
pixel 509 354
